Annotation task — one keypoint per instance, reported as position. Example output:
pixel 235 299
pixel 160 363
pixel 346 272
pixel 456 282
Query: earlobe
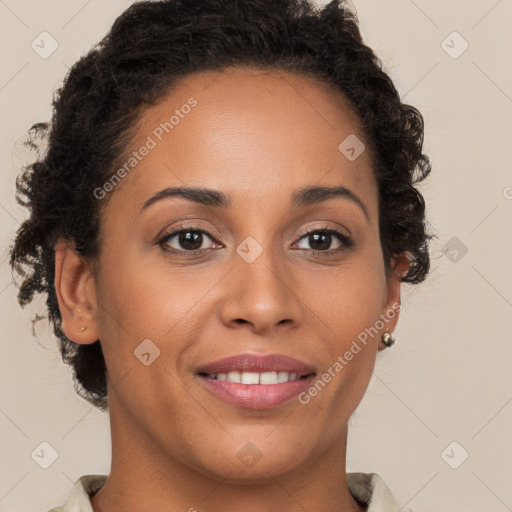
pixel 76 294
pixel 400 264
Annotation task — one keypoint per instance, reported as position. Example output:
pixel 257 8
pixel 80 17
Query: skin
pixel 256 136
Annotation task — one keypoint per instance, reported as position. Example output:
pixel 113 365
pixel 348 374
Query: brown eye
pixel 321 240
pixel 187 240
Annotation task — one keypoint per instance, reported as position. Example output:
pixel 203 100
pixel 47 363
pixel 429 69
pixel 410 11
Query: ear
pixel 76 294
pixel 400 263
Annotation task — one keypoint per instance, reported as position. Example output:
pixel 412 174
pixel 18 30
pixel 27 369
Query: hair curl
pixel 148 48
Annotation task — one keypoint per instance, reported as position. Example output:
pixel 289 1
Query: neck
pixel 144 478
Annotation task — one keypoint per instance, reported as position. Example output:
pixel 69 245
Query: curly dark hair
pixel 148 48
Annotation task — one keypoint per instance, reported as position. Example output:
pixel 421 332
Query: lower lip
pixel 257 396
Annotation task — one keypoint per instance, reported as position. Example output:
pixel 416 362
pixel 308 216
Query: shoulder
pixel 79 497
pixel 371 490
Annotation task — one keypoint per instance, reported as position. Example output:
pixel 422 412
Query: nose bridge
pixel 261 289
pixel 261 267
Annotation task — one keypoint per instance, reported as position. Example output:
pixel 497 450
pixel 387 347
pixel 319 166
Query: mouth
pixel 245 365
pixel 235 389
pixel 253 378
pixel 257 382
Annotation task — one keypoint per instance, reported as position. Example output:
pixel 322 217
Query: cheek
pixel 349 304
pixel 350 299
pixel 140 301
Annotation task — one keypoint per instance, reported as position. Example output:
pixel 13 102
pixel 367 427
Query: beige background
pixel 448 377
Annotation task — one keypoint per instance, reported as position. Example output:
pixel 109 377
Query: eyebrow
pixel 303 197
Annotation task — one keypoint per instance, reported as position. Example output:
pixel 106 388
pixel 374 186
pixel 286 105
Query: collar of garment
pixel 368 488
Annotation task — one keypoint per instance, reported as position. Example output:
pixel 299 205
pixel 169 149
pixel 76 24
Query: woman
pixel 221 223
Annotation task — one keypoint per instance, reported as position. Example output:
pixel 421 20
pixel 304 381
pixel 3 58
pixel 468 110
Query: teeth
pixel 269 378
pixel 291 376
pixel 249 378
pixel 254 377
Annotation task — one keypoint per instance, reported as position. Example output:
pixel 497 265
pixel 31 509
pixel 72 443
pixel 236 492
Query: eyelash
pixel 347 242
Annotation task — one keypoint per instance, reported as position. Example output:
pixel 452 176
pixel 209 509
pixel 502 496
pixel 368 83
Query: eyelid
pixel 191 225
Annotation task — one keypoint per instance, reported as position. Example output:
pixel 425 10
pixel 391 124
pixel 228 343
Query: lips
pixel 258 364
pixel 256 381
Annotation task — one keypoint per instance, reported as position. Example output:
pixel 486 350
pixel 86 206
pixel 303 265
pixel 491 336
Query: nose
pixel 261 294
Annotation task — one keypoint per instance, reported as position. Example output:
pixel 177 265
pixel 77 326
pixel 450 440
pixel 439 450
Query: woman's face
pixel 243 278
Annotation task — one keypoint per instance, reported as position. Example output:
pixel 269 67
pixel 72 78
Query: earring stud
pixel 82 329
pixel 387 339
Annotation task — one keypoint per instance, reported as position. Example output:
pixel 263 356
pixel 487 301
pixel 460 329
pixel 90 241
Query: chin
pixel 253 463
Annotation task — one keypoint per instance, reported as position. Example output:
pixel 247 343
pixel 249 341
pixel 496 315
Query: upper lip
pixel 258 364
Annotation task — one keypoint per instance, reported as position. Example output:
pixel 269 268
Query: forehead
pixel 249 131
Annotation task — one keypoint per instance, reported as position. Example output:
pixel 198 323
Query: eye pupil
pixel 324 238
pixel 191 240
